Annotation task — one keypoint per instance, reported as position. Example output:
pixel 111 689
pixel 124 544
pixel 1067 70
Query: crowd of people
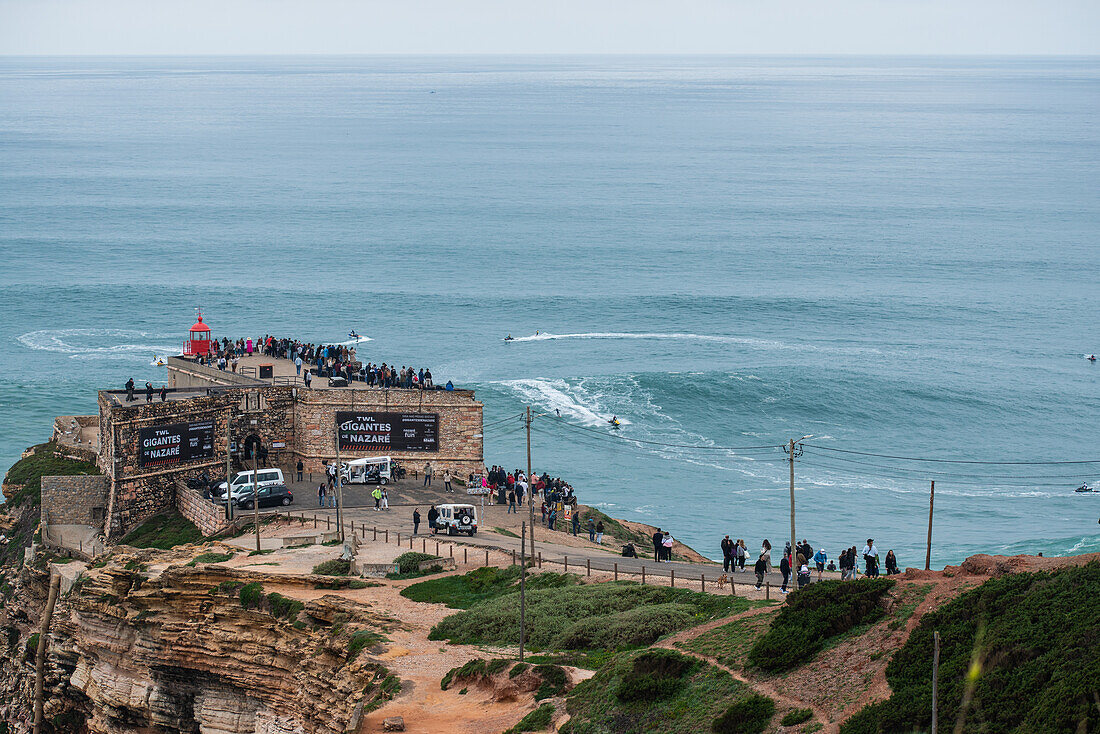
pixel 326 360
pixel 796 564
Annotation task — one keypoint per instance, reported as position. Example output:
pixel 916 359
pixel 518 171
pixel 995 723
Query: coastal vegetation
pixel 482 584
pixel 610 615
pixel 1020 653
pixel 335 567
pixel 164 530
pixel 813 616
pixel 43 461
pixel 730 643
pixel 651 692
pixel 537 720
pixel 408 566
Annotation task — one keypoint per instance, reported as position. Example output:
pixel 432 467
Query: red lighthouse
pixel 198 345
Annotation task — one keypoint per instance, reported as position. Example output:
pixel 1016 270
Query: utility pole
pixel 339 485
pixel 794 543
pixel 935 679
pixel 791 457
pixel 522 587
pixel 228 468
pixel 530 483
pixel 256 490
pixel 928 552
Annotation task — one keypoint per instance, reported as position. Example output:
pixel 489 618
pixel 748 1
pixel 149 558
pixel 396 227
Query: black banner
pixel 369 431
pixel 175 444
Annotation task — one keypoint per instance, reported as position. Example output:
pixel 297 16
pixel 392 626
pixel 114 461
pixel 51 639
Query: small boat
pixel 1085 488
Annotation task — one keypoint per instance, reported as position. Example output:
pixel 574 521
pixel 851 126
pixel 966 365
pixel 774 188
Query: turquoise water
pixel 899 256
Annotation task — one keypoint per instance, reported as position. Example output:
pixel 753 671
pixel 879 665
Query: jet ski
pixel 1085 488
pixel 509 338
pixel 158 361
pixel 353 334
pixel 614 422
pixel 1091 358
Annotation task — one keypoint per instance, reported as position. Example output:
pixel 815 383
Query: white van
pixel 457 519
pixel 375 470
pixel 243 481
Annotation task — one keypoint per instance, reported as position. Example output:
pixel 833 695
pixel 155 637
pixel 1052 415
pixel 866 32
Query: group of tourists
pixel 149 389
pixel 797 564
pixel 327 360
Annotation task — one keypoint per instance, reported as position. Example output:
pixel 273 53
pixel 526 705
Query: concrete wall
pixel 208 517
pixel 74 500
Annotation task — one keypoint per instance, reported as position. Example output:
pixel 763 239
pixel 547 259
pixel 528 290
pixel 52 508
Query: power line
pixel 949 461
pixel 923 472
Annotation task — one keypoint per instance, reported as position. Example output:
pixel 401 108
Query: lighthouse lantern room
pixel 198 343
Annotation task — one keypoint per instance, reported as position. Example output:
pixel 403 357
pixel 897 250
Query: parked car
pixel 270 496
pixel 457 519
pixel 243 481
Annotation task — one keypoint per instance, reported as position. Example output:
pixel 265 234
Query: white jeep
pixel 457 519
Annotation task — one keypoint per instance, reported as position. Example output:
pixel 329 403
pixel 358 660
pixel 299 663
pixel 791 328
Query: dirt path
pixel 759 686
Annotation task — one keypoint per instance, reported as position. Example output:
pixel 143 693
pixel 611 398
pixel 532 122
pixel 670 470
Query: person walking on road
pixel 447 481
pixel 763 562
pixel 416 521
pixel 666 544
pixel 576 523
pixel 591 530
pixel 599 533
pixel 433 515
pixel 785 569
pixel 727 554
pixel 385 500
pixel 428 474
pixel 511 501
pixel 377 494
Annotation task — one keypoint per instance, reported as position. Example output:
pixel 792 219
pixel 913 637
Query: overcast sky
pixel 549 26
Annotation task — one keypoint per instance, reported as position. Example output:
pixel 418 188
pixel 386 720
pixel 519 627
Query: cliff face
pixel 177 651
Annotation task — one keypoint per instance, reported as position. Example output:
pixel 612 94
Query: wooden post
pixel 767 589
pixel 588 566
pixel 643 573
pixel 465 559
pixel 486 558
pixel 935 678
pixel 616 565
pixel 672 578
pixel 566 564
pixel 387 532
pixel 375 534
pixel 424 546
pixel 540 559
pixel 928 552
pixel 410 542
pixel 315 521
pixel 399 538
pixel 702 582
pixel 522 585
pixel 451 549
pixel 437 547
pixel 513 556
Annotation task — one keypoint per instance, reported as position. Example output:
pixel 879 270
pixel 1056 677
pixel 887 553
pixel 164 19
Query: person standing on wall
pixel 148 392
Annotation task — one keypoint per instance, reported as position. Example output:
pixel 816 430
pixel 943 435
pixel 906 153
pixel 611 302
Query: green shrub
pixel 361 640
pixel 284 607
pixel 812 616
pixel 537 720
pixel 552 611
pixel 553 681
pixel 750 715
pixel 496 665
pixel 211 558
pixel 634 627
pixel 335 567
pixel 472 669
pixel 410 562
pixel 657 674
pixel 1025 646
pixel 230 587
pixel 31 648
pixel 794 717
pixel 251 595
pixel 516 669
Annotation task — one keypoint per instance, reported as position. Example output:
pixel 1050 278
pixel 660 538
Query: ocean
pixel 898 256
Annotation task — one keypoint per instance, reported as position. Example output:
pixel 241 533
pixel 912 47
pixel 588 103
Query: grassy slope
pixel 163 530
pixel 44 462
pixel 701 696
pixel 482 584
pixel 1023 652
pixel 593 616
